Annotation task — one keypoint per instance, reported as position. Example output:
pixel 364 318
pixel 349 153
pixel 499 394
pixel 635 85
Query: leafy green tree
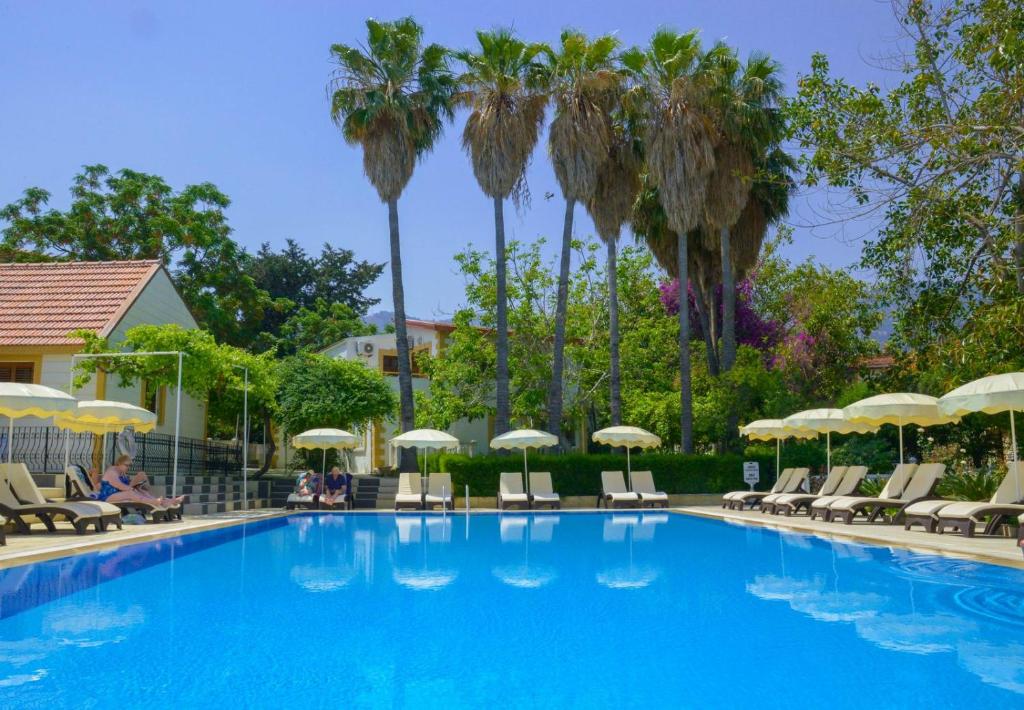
pixel 317 391
pixel 502 87
pixel 134 215
pixel 392 98
pixel 329 287
pixel 939 155
pixel 828 318
pixel 584 81
pixel 317 327
pixel 211 372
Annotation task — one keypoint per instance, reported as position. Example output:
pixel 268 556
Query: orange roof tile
pixel 41 303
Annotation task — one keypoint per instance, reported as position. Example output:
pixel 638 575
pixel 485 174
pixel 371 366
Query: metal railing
pixel 42 450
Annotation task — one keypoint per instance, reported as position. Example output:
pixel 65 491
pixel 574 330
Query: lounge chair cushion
pixel 926 507
pixel 969 509
pixel 515 498
pixel 546 497
pixel 624 495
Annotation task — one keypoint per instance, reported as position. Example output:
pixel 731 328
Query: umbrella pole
pixel 10 437
pixel 629 471
pixel 323 466
pixel 1013 443
pixel 901 441
pixel 526 474
pixel 1013 437
pixel 828 453
pixel 778 456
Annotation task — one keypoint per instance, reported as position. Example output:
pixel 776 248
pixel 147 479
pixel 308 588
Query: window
pixel 389 363
pixel 154 399
pixel 23 372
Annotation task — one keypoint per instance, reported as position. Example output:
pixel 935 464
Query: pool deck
pixel 41 545
pixel 993 550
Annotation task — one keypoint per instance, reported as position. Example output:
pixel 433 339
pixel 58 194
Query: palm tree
pixel 501 84
pixel 749 124
pixel 611 205
pixel 392 98
pixel 583 81
pixel 672 81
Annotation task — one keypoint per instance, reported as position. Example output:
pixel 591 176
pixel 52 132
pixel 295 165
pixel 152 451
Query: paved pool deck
pixel 42 545
pixel 993 550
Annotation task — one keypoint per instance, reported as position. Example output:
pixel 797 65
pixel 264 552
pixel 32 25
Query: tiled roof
pixel 41 303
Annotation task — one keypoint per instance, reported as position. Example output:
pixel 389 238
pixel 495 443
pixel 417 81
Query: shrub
pixel 580 474
pixel 969 485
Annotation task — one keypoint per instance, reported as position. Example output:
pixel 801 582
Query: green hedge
pixel 580 474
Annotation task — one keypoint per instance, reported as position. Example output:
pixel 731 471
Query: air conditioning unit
pixel 365 348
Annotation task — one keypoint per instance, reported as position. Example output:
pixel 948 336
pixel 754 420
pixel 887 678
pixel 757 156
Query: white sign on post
pixel 751 473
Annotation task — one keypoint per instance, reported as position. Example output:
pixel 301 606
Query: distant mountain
pixel 380 319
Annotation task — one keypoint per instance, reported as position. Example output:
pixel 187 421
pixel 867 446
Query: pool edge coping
pixel 77 546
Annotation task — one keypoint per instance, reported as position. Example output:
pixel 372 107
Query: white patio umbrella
pixel 898 408
pixel 99 416
pixel 325 439
pixel 628 436
pixel 24 400
pixel 524 439
pixel 425 439
pixel 827 422
pixel 994 394
pixel 774 430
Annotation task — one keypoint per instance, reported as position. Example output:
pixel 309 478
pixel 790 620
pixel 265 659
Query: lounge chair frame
pixel 967 526
pixel 46 512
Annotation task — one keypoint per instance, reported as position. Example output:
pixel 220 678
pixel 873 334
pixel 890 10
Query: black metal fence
pixel 42 449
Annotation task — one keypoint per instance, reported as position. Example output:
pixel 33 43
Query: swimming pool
pixel 571 609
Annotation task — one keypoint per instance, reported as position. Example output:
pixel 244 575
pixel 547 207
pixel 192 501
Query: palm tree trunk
pixel 407 414
pixel 615 399
pixel 685 393
pixel 728 305
pixel 558 355
pixel 701 299
pixel 501 417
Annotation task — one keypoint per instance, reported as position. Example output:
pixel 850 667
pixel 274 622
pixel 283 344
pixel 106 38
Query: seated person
pixel 117 486
pixel 337 487
pixel 306 483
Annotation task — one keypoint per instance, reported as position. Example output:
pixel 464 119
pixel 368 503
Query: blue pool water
pixel 579 610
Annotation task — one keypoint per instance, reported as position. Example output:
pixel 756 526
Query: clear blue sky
pixel 234 93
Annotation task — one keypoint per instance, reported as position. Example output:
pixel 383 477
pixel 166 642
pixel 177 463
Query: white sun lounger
pixel 921 485
pixel 614 493
pixel 790 484
pixel 779 484
pixel 965 516
pixel 541 490
pixel 849 478
pixel 510 491
pixel 642 483
pixel 795 486
pixel 771 503
pixel 439 491
pixel 410 491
